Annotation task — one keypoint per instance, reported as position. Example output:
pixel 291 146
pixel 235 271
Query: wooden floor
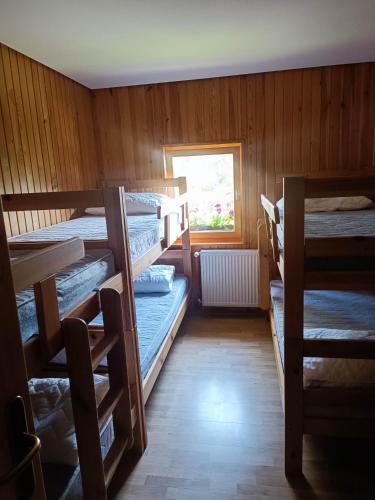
pixel 216 426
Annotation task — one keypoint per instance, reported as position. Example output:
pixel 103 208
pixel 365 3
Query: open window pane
pixel 210 180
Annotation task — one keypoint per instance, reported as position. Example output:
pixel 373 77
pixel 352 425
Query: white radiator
pixel 229 278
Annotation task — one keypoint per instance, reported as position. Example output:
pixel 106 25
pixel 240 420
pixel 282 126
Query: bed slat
pixel 334 348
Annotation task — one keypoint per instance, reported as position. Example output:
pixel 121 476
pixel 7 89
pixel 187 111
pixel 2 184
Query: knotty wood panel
pixel 318 121
pixel 46 135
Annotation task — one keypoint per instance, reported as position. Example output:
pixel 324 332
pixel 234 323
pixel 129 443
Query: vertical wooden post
pixel 48 316
pixel 186 246
pixel 118 240
pixel 117 363
pixel 264 266
pixel 294 211
pixel 13 374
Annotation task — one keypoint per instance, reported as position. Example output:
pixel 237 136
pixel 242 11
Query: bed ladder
pixel 89 417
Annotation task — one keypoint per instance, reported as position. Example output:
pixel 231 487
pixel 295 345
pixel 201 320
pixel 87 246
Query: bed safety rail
pixel 38 265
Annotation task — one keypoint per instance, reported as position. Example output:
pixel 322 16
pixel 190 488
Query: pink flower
pixel 231 212
pixel 218 208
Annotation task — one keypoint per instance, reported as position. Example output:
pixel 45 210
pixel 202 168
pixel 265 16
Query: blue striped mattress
pixel 144 231
pixel 337 223
pixel 73 284
pixel 155 315
pixel 332 315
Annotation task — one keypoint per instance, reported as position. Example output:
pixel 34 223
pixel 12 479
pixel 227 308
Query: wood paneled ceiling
pixel 124 42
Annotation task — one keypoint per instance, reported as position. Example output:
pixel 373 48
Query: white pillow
pixel 138 203
pixel 338 203
pixel 156 279
pixel 145 203
pixel 53 417
pixel 95 211
pixel 332 204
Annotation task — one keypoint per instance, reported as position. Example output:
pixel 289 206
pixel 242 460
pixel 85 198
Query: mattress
pixel 155 315
pixel 54 424
pixel 332 315
pixel 144 231
pixel 53 418
pixel 353 223
pixel 339 223
pixel 73 283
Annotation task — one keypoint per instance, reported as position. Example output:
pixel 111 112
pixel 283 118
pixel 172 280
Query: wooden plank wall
pixel 46 135
pixel 317 121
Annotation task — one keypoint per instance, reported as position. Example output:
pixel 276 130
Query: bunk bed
pixel 61 318
pixel 322 310
pixel 157 330
pixel 56 263
pixel 57 329
pixel 150 237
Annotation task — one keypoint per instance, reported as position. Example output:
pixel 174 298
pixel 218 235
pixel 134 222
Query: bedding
pixel 338 203
pixel 336 224
pixel 54 422
pixel 145 231
pixel 341 203
pixel 155 315
pixel 155 279
pixel 63 482
pixel 140 204
pixel 147 203
pixel 332 315
pixel 73 284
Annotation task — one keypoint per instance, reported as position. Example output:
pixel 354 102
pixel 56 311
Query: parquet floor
pixel 215 426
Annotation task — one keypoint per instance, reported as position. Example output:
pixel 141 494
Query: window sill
pixel 196 247
pixel 204 244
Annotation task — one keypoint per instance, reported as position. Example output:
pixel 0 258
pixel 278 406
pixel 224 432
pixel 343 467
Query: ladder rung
pixel 113 457
pixel 102 348
pixel 108 404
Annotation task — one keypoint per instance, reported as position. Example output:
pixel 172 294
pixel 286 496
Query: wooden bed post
pixel 294 210
pixel 264 266
pixel 13 383
pixel 186 245
pixel 118 241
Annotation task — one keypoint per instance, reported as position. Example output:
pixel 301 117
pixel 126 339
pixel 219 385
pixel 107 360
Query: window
pixel 213 174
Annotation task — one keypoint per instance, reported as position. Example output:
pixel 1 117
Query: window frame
pixel 235 149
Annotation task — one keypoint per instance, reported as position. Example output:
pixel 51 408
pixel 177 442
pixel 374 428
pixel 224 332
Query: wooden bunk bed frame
pixel 24 478
pixel 72 331
pixel 309 410
pixel 42 348
pixel 54 334
pixel 163 254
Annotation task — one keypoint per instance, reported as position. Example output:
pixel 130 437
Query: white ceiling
pixel 108 43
